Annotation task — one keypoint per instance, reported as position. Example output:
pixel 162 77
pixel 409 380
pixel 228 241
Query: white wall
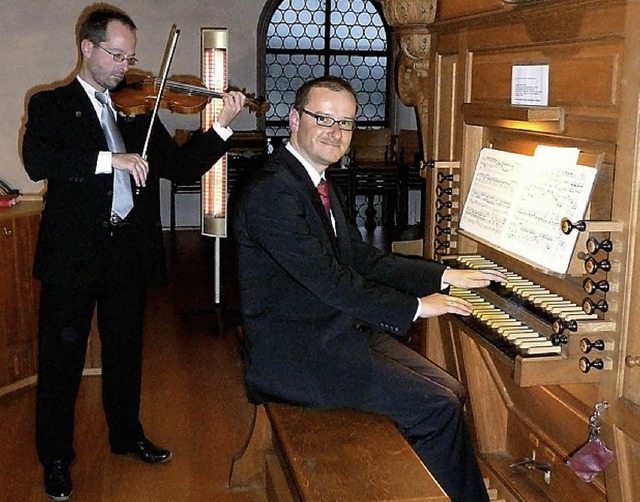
pixel 40 50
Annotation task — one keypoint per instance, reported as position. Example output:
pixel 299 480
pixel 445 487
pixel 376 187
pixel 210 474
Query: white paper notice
pixel 530 85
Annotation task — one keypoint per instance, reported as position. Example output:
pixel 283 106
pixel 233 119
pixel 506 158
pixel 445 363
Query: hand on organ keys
pixel 438 304
pixel 468 278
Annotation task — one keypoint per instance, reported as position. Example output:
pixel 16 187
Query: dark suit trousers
pixel 427 404
pixel 117 293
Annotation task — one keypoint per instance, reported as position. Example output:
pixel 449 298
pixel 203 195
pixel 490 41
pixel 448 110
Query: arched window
pixel 303 39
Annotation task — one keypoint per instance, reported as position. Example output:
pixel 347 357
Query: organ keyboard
pixel 507 333
pixel 547 304
pixel 527 323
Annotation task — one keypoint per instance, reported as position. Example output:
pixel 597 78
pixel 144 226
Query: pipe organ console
pixel 541 352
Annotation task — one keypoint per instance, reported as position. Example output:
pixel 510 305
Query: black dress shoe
pixel 147 452
pixel 57 480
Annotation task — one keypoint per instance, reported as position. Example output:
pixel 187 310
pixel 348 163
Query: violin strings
pixel 179 86
pixel 194 89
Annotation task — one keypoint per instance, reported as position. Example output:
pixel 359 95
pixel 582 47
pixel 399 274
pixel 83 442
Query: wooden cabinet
pixel 19 294
pixel 20 297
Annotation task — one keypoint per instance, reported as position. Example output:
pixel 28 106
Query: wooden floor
pixel 193 403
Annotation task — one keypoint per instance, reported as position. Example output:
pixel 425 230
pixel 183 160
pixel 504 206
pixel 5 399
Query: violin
pixel 138 91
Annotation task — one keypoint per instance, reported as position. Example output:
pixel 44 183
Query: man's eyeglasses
pixel 118 58
pixel 324 121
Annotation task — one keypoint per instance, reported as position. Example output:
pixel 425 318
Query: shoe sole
pixel 164 461
pixel 135 455
pixel 60 499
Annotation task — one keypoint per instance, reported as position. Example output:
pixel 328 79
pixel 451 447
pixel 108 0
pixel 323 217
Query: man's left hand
pixel 472 278
pixel 232 105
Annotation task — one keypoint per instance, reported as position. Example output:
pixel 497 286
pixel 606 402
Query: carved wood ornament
pixel 409 20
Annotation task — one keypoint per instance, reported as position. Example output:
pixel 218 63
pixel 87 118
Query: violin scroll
pixel 257 105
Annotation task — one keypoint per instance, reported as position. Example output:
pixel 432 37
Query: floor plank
pixel 193 403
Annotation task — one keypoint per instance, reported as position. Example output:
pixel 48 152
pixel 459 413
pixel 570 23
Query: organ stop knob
pixel 590 286
pixel 444 191
pixel 591 265
pixel 559 325
pixel 440 230
pixel 587 345
pixel 440 217
pixel 590 307
pixel 559 339
pixel 567 227
pixel 599 364
pixel 446 177
pixel 593 245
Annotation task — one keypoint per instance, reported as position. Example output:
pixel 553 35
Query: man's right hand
pixel 133 164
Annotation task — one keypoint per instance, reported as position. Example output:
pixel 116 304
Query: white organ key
pixel 536 293
pixel 546 304
pixel 577 316
pixel 546 350
pixel 540 342
pixel 523 289
pixel 529 294
pixel 492 319
pixel 521 282
pixel 557 309
pixel 482 307
pixel 511 276
pixel 501 323
pixel 494 315
pixel 511 324
pixel 516 288
pixel 573 310
pixel 470 260
pixel 546 298
pixel 517 335
pixel 506 330
pixel 519 341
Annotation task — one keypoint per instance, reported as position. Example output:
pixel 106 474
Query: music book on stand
pixel 516 203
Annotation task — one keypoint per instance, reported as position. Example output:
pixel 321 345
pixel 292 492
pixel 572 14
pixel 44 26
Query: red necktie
pixel 323 190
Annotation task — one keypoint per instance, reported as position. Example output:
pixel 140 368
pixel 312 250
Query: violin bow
pixel 170 50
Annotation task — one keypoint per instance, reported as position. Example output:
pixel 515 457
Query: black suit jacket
pixel 306 295
pixel 61 144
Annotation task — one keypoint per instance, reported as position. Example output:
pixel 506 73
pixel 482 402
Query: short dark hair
pixel 330 82
pixel 94 26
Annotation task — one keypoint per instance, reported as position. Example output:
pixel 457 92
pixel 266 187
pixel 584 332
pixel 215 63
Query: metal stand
pixel 216 309
pixel 216 272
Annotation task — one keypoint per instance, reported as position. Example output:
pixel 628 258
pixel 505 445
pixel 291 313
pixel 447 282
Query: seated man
pixel 316 300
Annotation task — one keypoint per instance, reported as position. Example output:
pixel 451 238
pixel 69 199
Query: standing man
pixel 316 300
pixel 100 242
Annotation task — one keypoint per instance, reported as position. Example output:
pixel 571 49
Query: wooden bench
pixel 299 454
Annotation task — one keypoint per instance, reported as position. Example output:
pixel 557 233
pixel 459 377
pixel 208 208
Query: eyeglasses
pixel 324 121
pixel 118 58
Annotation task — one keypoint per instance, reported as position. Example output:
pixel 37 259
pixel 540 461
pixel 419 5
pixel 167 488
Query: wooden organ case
pixel 530 412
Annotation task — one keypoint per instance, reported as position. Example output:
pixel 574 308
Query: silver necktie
pixel 122 198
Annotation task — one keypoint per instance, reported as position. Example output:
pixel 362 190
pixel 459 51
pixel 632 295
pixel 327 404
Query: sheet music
pixel 516 202
pixel 491 193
